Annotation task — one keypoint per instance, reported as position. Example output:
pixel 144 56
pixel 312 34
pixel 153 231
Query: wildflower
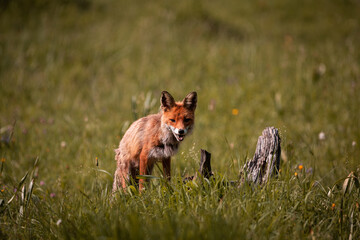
pixel 280 170
pixel 42 120
pixel 295 174
pixel 50 121
pixel 3 160
pixel 300 167
pixel 63 144
pixel 42 183
pixel 322 136
pixel 235 111
pixel 2 190
pixel 58 222
pixel 333 206
pixel 321 69
pixel 211 105
pixel 52 195
pixel 97 161
pixel 353 143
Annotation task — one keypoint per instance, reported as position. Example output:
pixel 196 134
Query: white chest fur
pixel 168 147
pixel 163 151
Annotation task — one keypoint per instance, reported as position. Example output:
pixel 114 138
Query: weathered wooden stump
pixel 266 160
pixel 205 165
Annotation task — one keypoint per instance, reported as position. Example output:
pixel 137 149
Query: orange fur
pixel 152 138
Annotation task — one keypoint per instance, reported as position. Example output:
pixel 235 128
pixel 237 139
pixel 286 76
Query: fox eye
pixel 172 120
pixel 187 119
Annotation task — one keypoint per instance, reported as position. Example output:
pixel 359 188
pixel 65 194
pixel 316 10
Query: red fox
pixel 154 137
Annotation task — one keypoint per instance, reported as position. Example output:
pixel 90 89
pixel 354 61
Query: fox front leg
pixel 166 162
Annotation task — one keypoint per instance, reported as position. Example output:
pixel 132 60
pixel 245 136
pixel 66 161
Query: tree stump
pixel 266 160
pixel 205 165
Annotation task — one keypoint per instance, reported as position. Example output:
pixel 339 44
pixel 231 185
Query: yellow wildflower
pixel 300 167
pixel 295 174
pixel 235 111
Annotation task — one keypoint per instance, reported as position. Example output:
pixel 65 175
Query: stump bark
pixel 205 165
pixel 266 160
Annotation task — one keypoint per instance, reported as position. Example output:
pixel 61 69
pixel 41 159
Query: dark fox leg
pixel 166 162
pixel 134 171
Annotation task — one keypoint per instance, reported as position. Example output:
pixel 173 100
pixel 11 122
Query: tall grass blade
pixel 23 195
pixel 29 193
pixel 147 177
pixel 104 171
pixel 19 186
pixel 134 108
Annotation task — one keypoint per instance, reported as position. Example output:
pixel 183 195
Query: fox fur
pixel 155 137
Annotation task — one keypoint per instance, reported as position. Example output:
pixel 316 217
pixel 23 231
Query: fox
pixel 153 138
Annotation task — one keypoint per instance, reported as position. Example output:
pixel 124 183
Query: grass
pixel 74 74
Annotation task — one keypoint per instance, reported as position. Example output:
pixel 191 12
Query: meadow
pixel 75 74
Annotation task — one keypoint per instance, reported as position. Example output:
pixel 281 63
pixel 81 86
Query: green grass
pixel 72 71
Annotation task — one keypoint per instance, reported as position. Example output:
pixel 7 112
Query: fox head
pixel 178 116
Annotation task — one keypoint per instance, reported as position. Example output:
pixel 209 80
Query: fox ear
pixel 190 101
pixel 167 101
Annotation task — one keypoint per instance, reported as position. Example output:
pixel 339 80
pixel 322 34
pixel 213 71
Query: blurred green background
pixel 74 74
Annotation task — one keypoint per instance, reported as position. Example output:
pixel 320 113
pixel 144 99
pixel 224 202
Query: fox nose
pixel 181 131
